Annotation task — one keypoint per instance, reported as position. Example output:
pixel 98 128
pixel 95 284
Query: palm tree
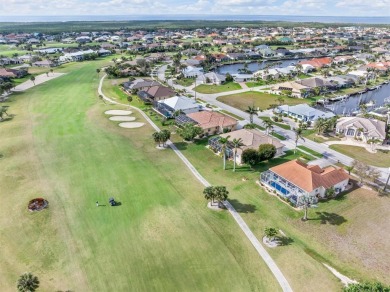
pixel 268 125
pixel 236 143
pixel 3 110
pixel 224 141
pixel 32 78
pixel 251 111
pixel 157 138
pixel 27 283
pixel 165 135
pixel 298 135
pixel 321 125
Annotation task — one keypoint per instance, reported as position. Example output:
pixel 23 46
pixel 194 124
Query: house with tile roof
pixel 296 89
pixel 213 122
pixel 295 180
pixel 250 138
pixel 155 93
pixel 362 129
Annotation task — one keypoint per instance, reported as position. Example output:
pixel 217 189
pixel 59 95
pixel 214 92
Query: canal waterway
pixel 373 99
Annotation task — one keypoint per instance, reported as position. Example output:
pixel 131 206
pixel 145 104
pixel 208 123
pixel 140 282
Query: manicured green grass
pixel 283 126
pixel 379 158
pixel 258 99
pixel 208 89
pixel 340 232
pixel 310 151
pixel 255 83
pixel 312 135
pixel 185 81
pixel 280 137
pixel 61 146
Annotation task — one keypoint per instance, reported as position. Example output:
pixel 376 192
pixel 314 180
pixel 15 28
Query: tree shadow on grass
pixel 242 208
pixel 181 145
pixel 7 118
pixel 330 218
pixel 284 241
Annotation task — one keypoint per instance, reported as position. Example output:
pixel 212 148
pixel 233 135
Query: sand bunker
pixel 118 112
pixel 131 125
pixel 122 118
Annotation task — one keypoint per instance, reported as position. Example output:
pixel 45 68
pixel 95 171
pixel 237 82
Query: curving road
pixel 244 227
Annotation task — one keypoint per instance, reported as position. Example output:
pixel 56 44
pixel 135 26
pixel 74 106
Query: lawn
pixel 162 237
pixel 232 115
pixel 310 151
pixel 281 125
pixel 328 237
pixel 379 159
pixel 208 89
pixel 256 83
pixel 185 81
pixel 258 99
pixel 312 135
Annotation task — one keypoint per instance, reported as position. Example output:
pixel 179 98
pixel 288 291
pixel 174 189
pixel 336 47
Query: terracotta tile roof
pixel 209 119
pixel 318 63
pixel 310 177
pixel 6 73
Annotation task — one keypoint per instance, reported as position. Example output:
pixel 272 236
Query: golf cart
pixel 112 202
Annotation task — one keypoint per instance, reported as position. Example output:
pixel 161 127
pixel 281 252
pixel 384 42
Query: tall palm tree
pixel 251 111
pixel 298 135
pixel 268 126
pixel 27 283
pixel 236 143
pixel 224 141
pixel 321 125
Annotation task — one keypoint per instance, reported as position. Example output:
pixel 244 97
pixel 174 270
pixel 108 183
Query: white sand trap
pixel 122 118
pixel 118 112
pixel 131 125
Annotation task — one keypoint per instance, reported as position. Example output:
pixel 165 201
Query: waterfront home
pixel 318 63
pixel 295 181
pixel 168 107
pixel 192 72
pixel 211 78
pixel 250 138
pixel 212 122
pixel 264 51
pixel 291 87
pixel 303 112
pixel 365 130
pixel 316 82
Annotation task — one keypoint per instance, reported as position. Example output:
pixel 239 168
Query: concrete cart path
pixel 38 80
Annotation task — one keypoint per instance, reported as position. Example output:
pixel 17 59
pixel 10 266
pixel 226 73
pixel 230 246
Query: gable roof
pixel 310 177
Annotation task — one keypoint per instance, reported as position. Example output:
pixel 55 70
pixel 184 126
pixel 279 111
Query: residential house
pixel 168 107
pixel 296 181
pixel 366 130
pixel 211 78
pixel 44 63
pixel 192 72
pixel 265 51
pixel 303 112
pixel 316 82
pixel 213 122
pixel 250 138
pixel 155 93
pixel 295 89
pixel 12 73
pixel 318 63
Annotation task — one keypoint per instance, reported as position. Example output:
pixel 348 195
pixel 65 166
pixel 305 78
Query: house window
pixel 350 132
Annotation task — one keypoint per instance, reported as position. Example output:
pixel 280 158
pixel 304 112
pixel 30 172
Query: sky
pixel 218 7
